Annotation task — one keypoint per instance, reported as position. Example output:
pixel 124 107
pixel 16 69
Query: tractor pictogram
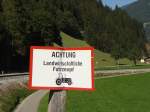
pixel 61 80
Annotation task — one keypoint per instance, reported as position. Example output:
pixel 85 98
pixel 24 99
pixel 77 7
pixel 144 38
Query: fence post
pixel 57 101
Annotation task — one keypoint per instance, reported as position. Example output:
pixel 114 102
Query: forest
pixel 24 23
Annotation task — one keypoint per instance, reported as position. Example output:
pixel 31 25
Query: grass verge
pixel 43 107
pixel 10 98
pixel 118 94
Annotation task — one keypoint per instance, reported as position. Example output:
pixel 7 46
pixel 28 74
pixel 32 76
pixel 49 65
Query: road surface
pixel 100 73
pixel 31 103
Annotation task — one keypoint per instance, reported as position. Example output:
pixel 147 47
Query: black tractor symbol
pixel 61 80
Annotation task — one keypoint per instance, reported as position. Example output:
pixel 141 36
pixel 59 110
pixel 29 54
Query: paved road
pixel 31 103
pixel 124 71
pixel 25 78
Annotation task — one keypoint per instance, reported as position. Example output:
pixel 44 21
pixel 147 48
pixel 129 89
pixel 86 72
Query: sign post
pixel 57 101
pixel 58 68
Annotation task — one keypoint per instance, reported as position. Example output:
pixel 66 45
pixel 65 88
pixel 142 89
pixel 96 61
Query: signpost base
pixel 57 101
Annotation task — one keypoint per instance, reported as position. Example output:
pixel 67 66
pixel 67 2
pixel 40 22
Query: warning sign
pixel 58 68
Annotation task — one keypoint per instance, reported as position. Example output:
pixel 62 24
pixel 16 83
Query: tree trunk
pixel 134 60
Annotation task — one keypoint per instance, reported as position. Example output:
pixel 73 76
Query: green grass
pixel 10 99
pixel 118 94
pixel 101 59
pixel 69 41
pixel 43 107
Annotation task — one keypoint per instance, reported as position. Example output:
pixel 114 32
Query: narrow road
pixel 31 103
pixel 123 71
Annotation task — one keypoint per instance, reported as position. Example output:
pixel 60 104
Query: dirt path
pixel 31 103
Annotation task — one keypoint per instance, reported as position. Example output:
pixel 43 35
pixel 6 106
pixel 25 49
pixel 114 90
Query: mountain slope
pixel 139 10
pixel 101 59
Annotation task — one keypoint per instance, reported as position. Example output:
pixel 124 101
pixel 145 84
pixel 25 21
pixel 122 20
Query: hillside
pixel 101 59
pixel 39 23
pixel 140 10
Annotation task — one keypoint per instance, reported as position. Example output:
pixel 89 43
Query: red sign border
pixel 60 48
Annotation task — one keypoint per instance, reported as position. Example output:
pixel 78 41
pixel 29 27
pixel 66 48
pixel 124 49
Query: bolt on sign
pixel 58 68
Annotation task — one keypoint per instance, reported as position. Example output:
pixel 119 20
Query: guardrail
pixel 97 73
pixel 13 75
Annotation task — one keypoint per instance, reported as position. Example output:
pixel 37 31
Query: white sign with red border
pixel 58 68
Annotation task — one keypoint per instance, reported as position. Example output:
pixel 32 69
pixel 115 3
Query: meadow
pixel 118 94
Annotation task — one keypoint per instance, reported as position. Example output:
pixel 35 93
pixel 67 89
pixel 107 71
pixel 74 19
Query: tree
pixel 5 48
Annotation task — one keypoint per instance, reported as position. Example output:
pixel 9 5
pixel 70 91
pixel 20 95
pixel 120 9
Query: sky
pixel 113 3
